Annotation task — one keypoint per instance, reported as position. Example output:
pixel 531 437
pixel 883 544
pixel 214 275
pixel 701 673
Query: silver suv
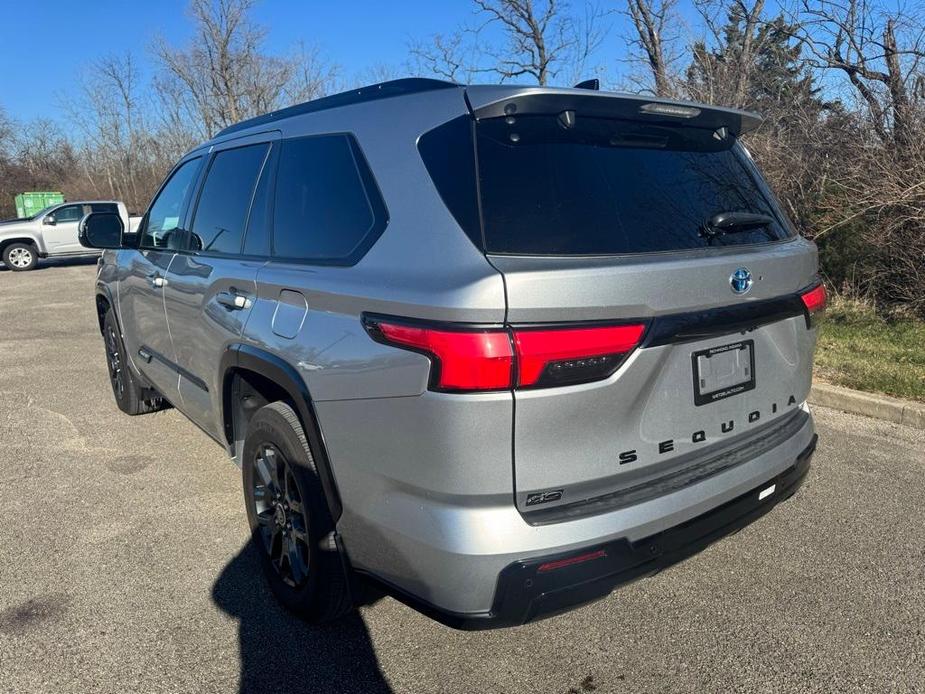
pixel 499 349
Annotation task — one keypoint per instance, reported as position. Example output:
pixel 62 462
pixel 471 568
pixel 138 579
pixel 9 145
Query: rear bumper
pixel 525 593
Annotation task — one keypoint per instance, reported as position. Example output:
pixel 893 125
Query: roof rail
pixel 383 90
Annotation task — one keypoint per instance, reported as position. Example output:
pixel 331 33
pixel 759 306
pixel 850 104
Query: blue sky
pixel 44 44
pixel 355 34
pixel 352 33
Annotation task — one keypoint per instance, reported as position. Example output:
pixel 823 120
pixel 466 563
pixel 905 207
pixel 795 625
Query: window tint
pixel 257 235
pixel 611 187
pixel 449 154
pixel 69 213
pixel 218 224
pixel 164 214
pixel 327 207
pixel 597 187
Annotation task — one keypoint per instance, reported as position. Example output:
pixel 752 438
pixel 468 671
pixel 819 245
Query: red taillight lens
pixel 572 355
pixel 463 359
pixel 814 299
pixel 477 360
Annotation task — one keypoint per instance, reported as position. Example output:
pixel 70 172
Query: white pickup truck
pixel 53 232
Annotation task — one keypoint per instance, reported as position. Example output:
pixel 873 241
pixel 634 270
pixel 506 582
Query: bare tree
pixel 6 132
pixel 538 41
pixel 223 76
pixel 446 55
pixel 119 156
pixel 736 40
pixel 880 53
pixel 652 21
pixel 312 75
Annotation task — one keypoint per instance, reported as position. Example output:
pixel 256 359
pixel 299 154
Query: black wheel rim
pixel 281 517
pixel 114 360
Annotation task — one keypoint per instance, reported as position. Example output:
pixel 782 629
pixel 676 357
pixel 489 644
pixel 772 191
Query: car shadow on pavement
pixel 49 263
pixel 281 653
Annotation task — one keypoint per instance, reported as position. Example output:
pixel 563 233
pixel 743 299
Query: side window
pixel 257 234
pixel 164 213
pixel 327 207
pixel 68 213
pixel 218 225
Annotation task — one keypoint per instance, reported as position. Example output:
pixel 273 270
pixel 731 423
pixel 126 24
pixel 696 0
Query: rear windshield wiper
pixel 733 222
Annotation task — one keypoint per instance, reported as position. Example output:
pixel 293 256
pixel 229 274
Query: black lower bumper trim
pixel 525 593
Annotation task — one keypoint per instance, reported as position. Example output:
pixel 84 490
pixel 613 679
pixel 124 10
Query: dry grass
pixel 862 350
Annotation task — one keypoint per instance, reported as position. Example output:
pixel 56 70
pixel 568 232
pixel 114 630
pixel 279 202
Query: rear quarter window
pixel 328 208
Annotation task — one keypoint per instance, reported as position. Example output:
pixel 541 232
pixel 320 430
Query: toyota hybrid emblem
pixel 741 280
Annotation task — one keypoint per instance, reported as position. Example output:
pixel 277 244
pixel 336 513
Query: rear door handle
pixel 232 300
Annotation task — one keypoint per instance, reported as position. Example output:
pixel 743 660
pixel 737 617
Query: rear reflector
pixel 572 355
pixel 468 359
pixel 571 561
pixel 463 359
pixel 814 299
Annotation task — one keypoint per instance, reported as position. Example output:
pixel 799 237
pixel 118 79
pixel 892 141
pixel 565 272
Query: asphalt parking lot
pixel 124 563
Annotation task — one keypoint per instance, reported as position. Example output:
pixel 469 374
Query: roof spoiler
pixel 494 102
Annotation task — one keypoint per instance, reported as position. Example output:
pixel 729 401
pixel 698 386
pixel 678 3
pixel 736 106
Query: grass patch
pixel 861 350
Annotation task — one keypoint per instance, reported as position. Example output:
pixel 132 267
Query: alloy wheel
pixel 281 516
pixel 20 257
pixel 114 361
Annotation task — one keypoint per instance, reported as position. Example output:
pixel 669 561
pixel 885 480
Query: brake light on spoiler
pixel 468 359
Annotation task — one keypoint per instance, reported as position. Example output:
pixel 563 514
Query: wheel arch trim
pixel 104 292
pixel 250 358
pixel 27 238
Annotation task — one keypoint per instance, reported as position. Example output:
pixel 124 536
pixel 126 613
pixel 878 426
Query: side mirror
pixel 49 220
pixel 101 230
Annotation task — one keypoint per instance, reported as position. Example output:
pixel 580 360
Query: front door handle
pixel 232 300
pixel 157 280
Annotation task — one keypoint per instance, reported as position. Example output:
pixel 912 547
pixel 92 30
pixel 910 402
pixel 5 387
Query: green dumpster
pixel 27 204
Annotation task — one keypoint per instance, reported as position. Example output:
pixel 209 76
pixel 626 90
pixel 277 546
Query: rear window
pixel 592 186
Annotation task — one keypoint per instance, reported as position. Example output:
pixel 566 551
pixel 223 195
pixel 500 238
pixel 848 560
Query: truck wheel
pixel 131 397
pixel 289 517
pixel 19 257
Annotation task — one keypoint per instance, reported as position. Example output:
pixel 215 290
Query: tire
pixel 20 257
pixel 289 517
pixel 131 397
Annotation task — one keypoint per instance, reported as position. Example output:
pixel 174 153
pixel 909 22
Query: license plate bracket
pixel 724 371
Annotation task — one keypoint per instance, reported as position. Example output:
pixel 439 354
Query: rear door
pixel 212 281
pixel 657 232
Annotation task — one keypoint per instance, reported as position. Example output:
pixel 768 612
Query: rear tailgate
pixel 602 210
pixel 644 422
pixel 614 208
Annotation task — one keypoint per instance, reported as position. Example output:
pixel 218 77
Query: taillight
pixel 462 359
pixel 572 355
pixel 814 300
pixel 483 359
